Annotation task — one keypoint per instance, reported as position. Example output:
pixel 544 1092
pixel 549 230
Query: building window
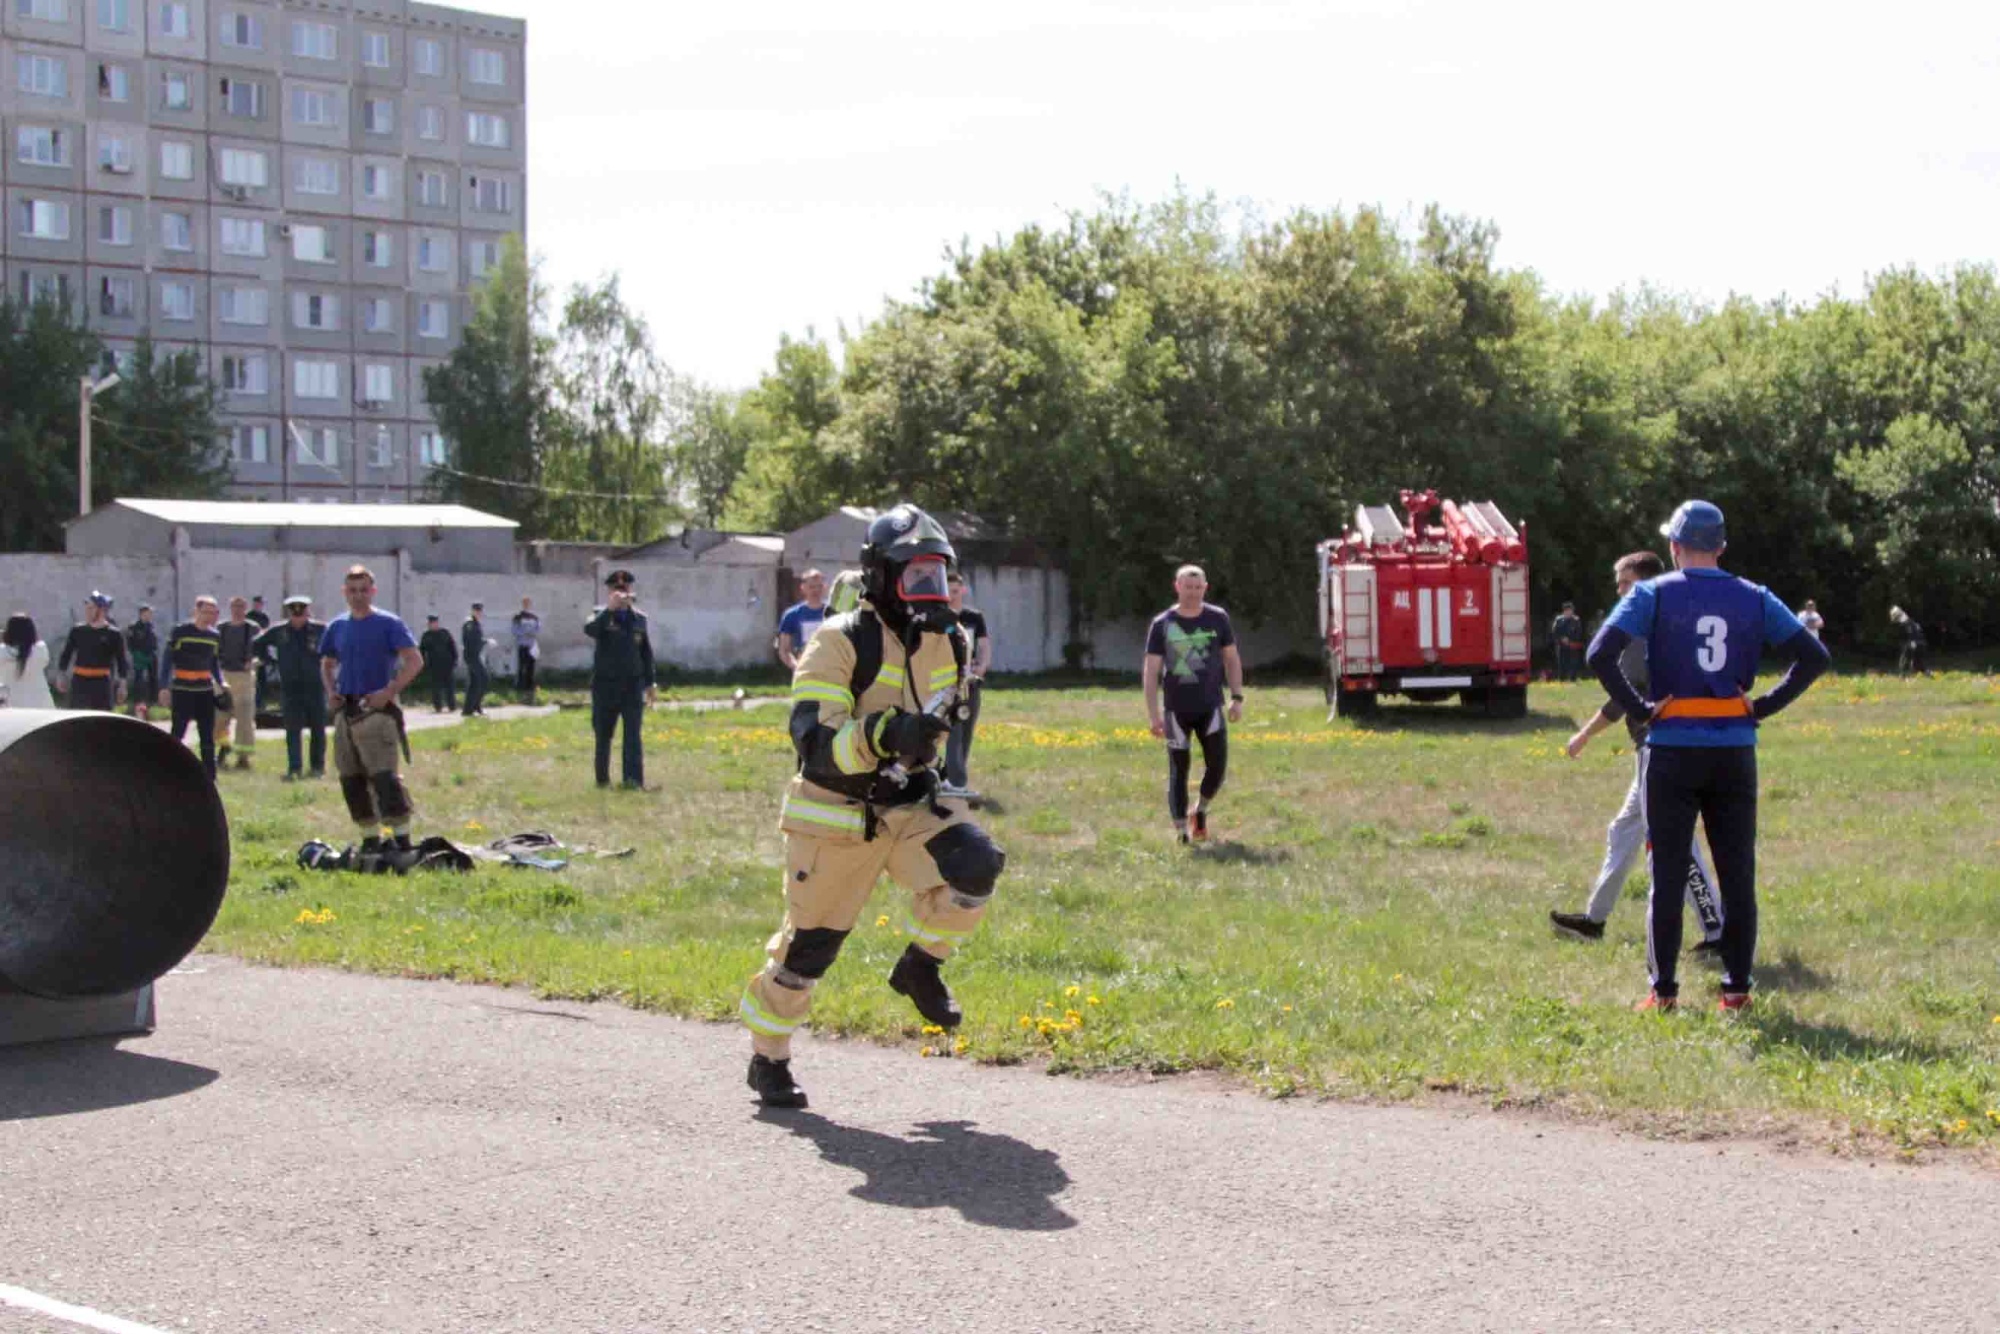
pixel 243 305
pixel 485 129
pixel 427 56
pixel 489 195
pixel 377 384
pixel 39 146
pixel 114 154
pixel 243 31
pixel 114 83
pixel 310 310
pixel 44 76
pixel 433 254
pixel 482 66
pixel 432 322
pixel 245 167
pixel 431 189
pixel 318 447
pixel 44 220
pixel 430 123
pixel 378 115
pixel 316 176
pixel 378 249
pixel 176 160
pixel 315 379
pixel 48 11
pixel 176 91
pixel 250 444
pixel 377 315
pixel 430 449
pixel 242 98
pixel 173 19
pixel 114 15
pixel 246 373
pixel 483 256
pixel 315 41
pixel 242 236
pixel 312 245
pixel 314 106
pixel 176 231
pixel 375 50
pixel 176 301
pixel 114 225
pixel 114 298
pixel 44 287
pixel 377 182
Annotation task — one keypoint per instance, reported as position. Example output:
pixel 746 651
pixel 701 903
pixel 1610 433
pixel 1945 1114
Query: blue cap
pixel 1696 525
pixel 99 599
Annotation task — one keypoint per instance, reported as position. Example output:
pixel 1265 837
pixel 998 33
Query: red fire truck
pixel 1427 610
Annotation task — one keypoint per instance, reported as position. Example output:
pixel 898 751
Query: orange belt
pixel 192 676
pixel 1737 707
pixel 90 673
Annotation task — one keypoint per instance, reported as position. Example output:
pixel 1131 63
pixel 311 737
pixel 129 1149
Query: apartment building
pixel 304 191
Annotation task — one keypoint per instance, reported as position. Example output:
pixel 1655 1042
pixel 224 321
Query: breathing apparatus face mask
pixel 922 588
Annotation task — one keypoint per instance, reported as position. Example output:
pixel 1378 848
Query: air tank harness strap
pixel 1735 707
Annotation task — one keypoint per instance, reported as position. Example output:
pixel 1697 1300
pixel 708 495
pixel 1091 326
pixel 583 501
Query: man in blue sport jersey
pixel 367 659
pixel 1705 631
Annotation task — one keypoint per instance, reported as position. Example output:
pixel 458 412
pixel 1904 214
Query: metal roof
pixel 292 514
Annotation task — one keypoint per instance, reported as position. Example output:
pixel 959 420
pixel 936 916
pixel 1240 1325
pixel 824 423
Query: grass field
pixel 1371 920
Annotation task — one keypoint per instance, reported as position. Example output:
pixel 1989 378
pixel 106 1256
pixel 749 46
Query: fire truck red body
pixel 1426 610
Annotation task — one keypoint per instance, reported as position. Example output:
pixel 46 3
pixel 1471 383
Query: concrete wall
pixel 114 530
pixel 1120 646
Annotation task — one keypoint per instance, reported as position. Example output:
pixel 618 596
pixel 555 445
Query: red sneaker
pixel 1198 826
pixel 1733 1002
pixel 1656 1002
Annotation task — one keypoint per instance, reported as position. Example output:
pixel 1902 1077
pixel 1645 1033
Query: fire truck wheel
pixel 1353 703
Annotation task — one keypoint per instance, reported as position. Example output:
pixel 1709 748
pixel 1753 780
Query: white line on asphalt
pixel 76 1315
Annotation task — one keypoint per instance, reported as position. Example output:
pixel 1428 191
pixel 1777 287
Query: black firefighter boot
pixel 916 976
pixel 772 1082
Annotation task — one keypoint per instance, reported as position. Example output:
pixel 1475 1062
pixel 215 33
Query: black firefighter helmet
pixel 899 539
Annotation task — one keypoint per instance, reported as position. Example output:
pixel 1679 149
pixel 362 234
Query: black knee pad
pixel 813 951
pixel 969 861
pixel 360 801
pixel 391 797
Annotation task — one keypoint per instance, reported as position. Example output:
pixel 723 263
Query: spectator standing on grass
pixel 194 677
pixel 292 648
pixel 262 620
pixel 1190 649
pixel 1566 631
pixel 1810 618
pixel 93 658
pixel 621 679
pixel 965 720
pixel 472 638
pixel 239 661
pixel 367 658
pixel 801 619
pixel 527 649
pixel 440 654
pixel 24 665
pixel 1705 633
pixel 1627 833
pixel 142 644
pixel 1913 657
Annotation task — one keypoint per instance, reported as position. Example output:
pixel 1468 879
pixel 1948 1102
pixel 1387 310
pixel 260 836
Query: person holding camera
pixel 621 679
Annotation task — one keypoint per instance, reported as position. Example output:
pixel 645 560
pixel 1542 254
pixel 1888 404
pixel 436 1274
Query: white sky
pixel 752 169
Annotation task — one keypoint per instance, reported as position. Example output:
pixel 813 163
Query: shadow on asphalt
pixel 88 1075
pixel 991 1180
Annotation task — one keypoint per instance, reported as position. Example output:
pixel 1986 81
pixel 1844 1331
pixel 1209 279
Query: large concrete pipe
pixel 114 853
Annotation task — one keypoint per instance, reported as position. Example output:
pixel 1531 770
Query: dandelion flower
pixel 961 1045
pixel 928 1051
pixel 1027 1021
pixel 1072 991
pixel 932 1030
pixel 1287 1009
pixel 1093 1001
pixel 1072 1017
pixel 474 826
pixel 1225 1004
pixel 1397 978
pixel 883 920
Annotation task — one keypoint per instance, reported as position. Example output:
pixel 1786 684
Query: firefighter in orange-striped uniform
pixel 94 658
pixel 871 700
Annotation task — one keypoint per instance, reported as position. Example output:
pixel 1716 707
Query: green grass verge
pixel 1370 922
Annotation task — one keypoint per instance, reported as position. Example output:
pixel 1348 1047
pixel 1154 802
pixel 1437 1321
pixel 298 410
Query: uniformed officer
pixel 1705 632
pixel 194 677
pixel 142 642
pixel 94 658
pixel 292 645
pixel 621 679
pixel 867 719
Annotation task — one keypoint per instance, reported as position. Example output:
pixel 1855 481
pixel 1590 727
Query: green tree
pixel 791 474
pixel 608 474
pixel 710 447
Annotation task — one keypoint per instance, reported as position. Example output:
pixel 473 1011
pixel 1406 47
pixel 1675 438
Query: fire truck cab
pixel 1426 610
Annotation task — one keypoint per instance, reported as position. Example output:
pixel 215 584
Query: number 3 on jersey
pixel 1714 650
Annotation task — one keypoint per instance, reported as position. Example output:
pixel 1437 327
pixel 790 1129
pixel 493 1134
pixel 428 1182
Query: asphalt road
pixel 307 1151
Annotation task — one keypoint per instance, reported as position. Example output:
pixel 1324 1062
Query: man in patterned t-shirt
pixel 1190 648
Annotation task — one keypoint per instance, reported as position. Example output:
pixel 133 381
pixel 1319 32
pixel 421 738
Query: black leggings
pixel 1213 734
pixel 197 707
pixel 1718 786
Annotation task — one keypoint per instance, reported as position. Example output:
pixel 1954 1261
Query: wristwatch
pixel 1235 697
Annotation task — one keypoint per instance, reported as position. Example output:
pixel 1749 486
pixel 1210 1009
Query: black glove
pixel 911 737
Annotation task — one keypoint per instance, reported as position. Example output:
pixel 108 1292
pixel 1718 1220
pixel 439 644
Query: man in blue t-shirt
pixel 367 658
pixel 1705 632
pixel 801 619
pixel 1190 649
